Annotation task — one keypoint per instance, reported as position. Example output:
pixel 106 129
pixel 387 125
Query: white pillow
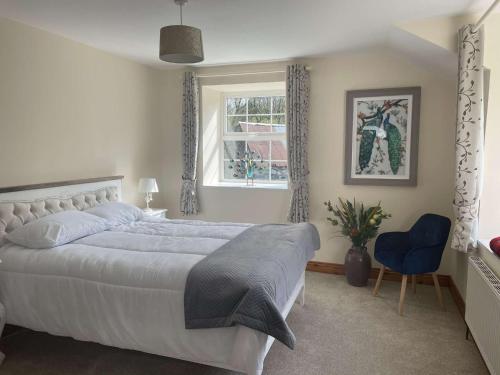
pixel 117 213
pixel 57 229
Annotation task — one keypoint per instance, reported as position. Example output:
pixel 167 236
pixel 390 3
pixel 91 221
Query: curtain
pixel 297 96
pixel 469 138
pixel 190 134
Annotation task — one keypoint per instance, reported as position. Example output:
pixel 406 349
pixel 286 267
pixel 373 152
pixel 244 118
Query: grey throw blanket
pixel 248 280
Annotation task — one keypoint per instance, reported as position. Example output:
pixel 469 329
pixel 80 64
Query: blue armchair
pixel 414 252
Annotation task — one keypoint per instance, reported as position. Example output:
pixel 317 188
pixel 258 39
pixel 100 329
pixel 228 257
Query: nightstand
pixel 157 212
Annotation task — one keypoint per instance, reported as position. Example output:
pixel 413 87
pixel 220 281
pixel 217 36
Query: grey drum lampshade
pixel 181 44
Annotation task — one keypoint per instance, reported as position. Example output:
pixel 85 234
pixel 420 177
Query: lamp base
pixel 148 198
pixel 147 209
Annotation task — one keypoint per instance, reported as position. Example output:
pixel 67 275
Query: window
pixel 254 124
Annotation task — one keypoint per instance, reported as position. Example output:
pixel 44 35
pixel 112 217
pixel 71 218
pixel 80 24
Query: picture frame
pixel 381 136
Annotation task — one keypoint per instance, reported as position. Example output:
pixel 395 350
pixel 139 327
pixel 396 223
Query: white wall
pixel 330 78
pixel 490 200
pixel 70 111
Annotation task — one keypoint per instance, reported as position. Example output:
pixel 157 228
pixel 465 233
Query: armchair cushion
pixel 422 260
pixel 430 230
pixel 391 249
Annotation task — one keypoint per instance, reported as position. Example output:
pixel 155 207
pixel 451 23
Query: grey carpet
pixel 342 330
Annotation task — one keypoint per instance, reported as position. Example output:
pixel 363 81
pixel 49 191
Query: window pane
pixel 249 119
pixel 278 150
pixel 260 119
pixel 234 149
pixel 236 124
pixel 278 104
pixel 259 104
pixel 258 128
pixel 279 119
pixel 279 171
pixel 260 149
pixel 232 171
pixel 262 171
pixel 259 124
pixel 236 106
pixel 279 125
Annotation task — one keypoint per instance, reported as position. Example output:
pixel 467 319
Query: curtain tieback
pixel 189 185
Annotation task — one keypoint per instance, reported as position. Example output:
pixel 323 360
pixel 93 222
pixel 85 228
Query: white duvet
pixel 125 287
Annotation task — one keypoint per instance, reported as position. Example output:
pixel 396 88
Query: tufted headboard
pixel 21 204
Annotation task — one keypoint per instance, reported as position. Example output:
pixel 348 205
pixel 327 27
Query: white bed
pixel 125 287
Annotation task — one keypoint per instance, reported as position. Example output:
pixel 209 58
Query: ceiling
pixel 234 31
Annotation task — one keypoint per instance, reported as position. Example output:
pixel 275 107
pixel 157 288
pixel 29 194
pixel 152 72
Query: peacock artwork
pixel 379 136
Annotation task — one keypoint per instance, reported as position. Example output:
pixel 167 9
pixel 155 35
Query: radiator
pixel 482 312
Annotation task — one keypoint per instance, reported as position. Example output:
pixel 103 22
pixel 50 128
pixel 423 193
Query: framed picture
pixel 382 136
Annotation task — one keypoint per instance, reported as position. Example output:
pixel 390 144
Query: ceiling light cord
pixel 180 3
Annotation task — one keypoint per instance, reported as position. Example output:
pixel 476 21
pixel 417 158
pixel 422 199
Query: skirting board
pixel 457 297
pixel 444 280
pixel 338 269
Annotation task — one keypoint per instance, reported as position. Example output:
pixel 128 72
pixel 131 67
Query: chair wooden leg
pixel 403 292
pixel 438 290
pixel 379 280
pixel 414 283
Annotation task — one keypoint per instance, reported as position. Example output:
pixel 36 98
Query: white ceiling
pixel 234 31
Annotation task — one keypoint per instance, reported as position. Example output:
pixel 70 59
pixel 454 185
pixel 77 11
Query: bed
pixel 123 287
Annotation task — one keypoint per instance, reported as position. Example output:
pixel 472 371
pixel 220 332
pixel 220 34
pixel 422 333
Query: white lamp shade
pixel 148 185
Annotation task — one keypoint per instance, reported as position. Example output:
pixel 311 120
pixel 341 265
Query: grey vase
pixel 358 265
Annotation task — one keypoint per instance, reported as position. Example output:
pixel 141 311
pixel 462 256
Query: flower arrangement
pixel 359 223
pixel 245 165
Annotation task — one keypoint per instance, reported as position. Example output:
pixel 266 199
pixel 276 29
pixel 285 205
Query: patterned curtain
pixel 190 134
pixel 469 138
pixel 297 96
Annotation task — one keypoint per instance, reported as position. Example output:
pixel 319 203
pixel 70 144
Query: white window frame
pixel 235 136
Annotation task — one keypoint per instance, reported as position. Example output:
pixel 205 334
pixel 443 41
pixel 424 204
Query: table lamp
pixel 148 186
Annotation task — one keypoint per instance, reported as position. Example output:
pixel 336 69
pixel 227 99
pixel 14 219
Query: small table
pixel 157 212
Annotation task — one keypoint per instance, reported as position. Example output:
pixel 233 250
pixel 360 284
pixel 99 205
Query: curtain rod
pixel 486 14
pixel 308 68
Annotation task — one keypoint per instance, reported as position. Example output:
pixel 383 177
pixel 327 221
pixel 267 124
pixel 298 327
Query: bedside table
pixel 157 212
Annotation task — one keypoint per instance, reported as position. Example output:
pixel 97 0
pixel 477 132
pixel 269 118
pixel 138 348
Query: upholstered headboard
pixel 21 204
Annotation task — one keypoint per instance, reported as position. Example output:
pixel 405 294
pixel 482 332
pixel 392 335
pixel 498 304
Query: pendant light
pixel 181 44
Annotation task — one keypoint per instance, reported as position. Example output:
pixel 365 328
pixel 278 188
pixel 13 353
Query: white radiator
pixel 482 311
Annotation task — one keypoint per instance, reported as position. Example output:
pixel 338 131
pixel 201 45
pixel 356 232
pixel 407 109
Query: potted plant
pixel 360 224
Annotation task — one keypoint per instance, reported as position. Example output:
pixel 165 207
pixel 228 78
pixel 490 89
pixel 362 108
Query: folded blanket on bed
pixel 248 280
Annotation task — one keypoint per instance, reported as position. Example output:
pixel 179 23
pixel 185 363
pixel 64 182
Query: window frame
pixel 254 136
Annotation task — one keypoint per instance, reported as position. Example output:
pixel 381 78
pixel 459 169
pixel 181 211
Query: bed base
pixel 65 188
pixel 298 296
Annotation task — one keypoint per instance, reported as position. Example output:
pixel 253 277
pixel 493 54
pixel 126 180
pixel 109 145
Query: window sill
pixel 485 246
pixel 245 186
